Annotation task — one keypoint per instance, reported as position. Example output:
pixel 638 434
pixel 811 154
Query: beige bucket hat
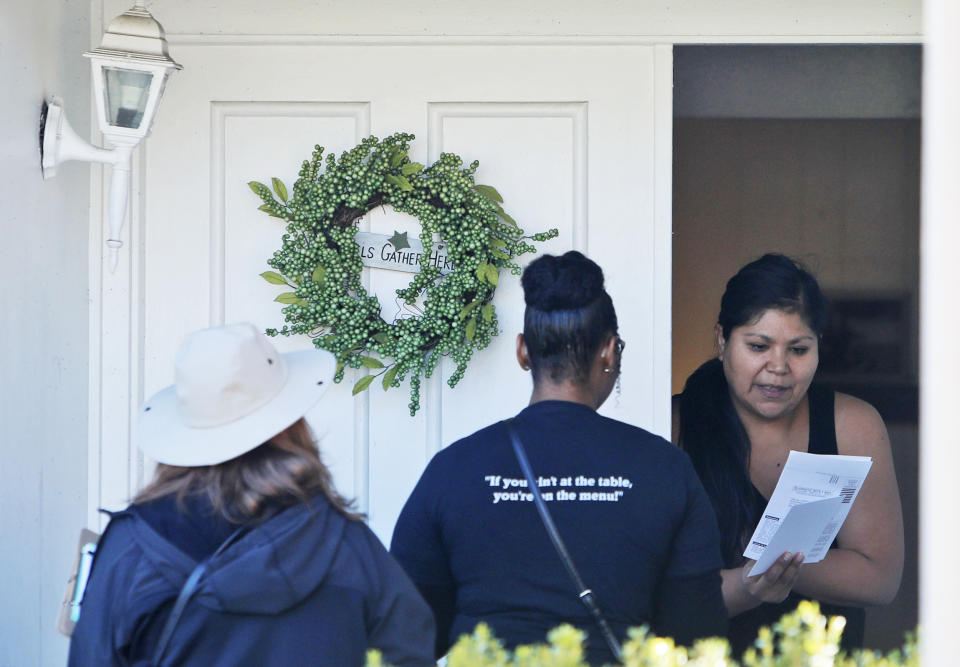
pixel 232 392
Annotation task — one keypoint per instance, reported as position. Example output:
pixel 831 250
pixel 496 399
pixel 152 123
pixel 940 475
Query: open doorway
pixel 812 151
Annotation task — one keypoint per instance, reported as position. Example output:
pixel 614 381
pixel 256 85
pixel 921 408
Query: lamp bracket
pixel 60 143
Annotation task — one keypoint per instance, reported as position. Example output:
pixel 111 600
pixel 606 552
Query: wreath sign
pixel 320 260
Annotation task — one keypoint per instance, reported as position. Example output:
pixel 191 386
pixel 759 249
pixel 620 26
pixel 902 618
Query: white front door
pixel 573 137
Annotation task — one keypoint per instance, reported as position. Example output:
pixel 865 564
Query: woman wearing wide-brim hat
pixel 240 551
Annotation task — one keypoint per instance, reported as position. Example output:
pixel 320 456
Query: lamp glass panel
pixel 126 92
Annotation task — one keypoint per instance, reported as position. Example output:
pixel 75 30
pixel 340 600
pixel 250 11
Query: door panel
pixel 533 155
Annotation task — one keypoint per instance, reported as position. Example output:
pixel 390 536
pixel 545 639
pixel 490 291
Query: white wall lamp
pixel 130 68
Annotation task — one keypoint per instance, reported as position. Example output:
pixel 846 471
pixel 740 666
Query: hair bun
pixel 562 283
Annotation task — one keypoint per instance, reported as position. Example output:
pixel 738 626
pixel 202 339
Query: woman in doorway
pixel 739 417
pixel 240 551
pixel 628 505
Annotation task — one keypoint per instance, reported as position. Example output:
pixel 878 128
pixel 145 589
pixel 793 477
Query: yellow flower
pixel 480 648
pixel 803 638
pixel 713 652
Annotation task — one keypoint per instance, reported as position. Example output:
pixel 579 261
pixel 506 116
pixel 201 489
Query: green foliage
pixel 802 638
pixel 320 258
pixel 363 383
pixel 273 278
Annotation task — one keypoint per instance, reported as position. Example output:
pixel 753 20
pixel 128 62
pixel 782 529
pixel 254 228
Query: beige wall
pixel 842 196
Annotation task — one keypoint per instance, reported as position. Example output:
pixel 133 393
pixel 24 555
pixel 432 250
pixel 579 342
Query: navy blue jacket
pixel 306 587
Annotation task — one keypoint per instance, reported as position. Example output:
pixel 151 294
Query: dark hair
pixel 772 282
pixel 284 471
pixel 568 317
pixel 710 429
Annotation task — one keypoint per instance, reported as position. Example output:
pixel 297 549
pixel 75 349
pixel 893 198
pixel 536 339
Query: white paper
pixel 807 479
pixel 802 530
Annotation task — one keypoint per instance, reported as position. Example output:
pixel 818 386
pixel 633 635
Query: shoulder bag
pixel 587 596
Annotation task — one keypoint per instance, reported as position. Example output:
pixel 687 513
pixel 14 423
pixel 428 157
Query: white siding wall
pixel 660 20
pixel 43 327
pixel 940 355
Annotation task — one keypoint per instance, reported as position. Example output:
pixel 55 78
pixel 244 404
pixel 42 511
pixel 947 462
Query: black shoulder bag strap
pixel 189 587
pixel 585 594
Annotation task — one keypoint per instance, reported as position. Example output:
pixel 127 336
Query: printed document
pixel 812 499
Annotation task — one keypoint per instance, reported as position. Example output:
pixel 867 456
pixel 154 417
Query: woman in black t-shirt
pixel 738 418
pixel 627 504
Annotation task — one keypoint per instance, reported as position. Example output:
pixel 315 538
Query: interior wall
pixel 43 327
pixel 843 197
pixel 840 195
pixel 797 81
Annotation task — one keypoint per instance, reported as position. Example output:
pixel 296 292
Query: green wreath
pixel 320 260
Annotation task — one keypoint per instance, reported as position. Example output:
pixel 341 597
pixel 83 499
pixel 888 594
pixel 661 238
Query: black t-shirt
pixel 628 504
pixel 744 627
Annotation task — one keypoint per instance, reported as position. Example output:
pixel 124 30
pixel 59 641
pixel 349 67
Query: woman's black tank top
pixel 743 627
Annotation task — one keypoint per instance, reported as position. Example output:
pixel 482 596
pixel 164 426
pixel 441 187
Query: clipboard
pixel 77 583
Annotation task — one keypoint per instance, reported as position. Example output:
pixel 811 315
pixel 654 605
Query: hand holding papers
pixel 812 499
pixel 802 529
